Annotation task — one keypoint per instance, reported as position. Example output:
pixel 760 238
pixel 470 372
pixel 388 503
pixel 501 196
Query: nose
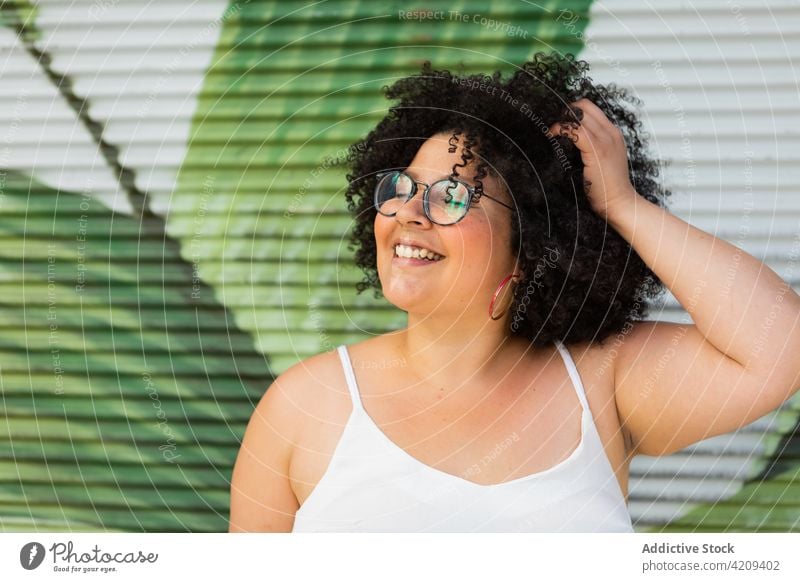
pixel 413 210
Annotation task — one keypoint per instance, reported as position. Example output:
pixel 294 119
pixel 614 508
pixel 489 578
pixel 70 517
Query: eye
pixel 449 198
pixel 403 184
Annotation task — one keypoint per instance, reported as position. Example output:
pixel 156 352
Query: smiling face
pixel 476 253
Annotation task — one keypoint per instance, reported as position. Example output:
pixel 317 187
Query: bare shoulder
pixel 608 361
pixel 601 360
pixel 326 405
pixel 314 398
pixel 596 363
pixel 262 495
pixel 304 391
pixel 295 403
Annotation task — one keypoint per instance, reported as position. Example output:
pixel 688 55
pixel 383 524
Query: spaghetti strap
pixel 350 376
pixel 572 369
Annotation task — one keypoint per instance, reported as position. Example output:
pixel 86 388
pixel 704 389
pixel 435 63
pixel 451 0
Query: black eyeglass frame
pixel 473 195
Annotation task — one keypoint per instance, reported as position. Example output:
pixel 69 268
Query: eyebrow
pixel 405 171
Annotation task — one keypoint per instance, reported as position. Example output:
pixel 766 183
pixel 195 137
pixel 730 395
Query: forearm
pixel 740 305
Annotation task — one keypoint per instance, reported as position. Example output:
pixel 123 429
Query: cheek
pixel 472 246
pixel 382 227
pixel 484 240
pixel 499 232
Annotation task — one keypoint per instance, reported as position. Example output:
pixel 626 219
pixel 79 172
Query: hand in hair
pixel 605 159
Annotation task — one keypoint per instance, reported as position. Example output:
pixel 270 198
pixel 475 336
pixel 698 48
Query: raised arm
pixel 678 384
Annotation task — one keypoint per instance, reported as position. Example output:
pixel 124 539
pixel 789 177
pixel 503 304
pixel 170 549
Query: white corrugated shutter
pixel 720 90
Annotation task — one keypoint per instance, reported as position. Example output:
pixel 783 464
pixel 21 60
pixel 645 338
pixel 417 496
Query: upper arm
pixel 674 388
pixel 261 495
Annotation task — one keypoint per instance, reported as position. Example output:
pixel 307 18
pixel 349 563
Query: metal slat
pixel 722 75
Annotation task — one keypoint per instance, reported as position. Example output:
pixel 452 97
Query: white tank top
pixel 373 485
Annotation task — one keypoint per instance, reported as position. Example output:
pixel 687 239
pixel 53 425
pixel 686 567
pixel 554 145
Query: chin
pixel 404 294
pixel 402 298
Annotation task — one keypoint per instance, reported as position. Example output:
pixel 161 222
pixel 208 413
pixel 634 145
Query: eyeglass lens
pixel 447 201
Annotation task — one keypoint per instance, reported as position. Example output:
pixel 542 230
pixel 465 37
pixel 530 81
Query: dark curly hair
pixel 581 279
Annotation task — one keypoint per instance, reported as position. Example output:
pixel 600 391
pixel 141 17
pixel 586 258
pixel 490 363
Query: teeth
pixel 416 253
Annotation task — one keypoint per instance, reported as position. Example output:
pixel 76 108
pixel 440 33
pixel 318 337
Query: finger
pixel 563 128
pixel 605 135
pixel 589 108
pixel 584 114
pixel 592 124
pixel 585 138
pixel 572 117
pixel 593 113
pixel 580 136
pixel 555 130
pixel 567 120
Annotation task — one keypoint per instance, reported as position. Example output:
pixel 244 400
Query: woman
pixel 522 239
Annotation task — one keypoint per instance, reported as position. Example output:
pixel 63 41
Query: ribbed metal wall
pixel 720 92
pixel 186 142
pixel 173 236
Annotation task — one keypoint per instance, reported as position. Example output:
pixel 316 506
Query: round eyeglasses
pixel 445 202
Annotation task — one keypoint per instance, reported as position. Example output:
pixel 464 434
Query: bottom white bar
pixel 401 557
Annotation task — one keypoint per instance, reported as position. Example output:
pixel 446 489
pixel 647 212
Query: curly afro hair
pixel 581 279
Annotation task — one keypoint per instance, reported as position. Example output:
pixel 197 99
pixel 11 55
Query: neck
pixel 454 354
